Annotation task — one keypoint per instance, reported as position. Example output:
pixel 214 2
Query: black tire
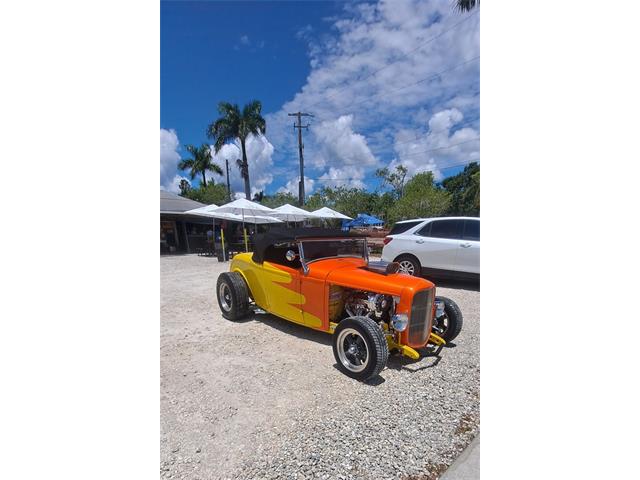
pixel 452 325
pixel 409 262
pixel 368 338
pixel 233 295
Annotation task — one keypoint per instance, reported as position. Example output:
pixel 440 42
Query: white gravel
pixel 262 398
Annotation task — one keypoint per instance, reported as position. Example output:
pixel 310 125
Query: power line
pixel 403 56
pixel 425 135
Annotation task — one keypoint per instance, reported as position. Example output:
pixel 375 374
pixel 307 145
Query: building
pixel 180 232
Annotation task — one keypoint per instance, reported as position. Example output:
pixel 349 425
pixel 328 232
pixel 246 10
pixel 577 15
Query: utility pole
pixel 226 161
pixel 299 126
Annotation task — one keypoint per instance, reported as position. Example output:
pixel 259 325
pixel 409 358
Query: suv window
pixel 425 231
pixel 446 229
pixel 471 230
pixel 403 227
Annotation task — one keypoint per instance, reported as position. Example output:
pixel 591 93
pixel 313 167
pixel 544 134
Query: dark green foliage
pixel 464 189
pixel 421 198
pixel 212 193
pixel 184 186
pixel 200 163
pixel 466 5
pixel 279 199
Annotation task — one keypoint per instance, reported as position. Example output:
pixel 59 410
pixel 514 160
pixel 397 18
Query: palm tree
pixel 200 163
pixel 234 124
pixel 466 5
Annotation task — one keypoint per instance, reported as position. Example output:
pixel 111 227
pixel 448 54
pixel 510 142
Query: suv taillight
pixel 387 240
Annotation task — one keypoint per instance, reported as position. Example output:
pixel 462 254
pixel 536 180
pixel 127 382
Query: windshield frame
pixel 306 262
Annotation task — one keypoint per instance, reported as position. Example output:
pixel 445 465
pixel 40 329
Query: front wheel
pixel 360 348
pixel 449 324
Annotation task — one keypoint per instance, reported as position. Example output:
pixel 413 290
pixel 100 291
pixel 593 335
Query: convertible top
pixel 280 235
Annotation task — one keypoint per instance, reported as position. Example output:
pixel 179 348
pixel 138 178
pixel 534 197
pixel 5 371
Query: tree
pixel 234 124
pixel 200 163
pixel 212 193
pixel 466 5
pixel 184 186
pixel 279 199
pixel 395 179
pixel 258 196
pixel 464 189
pixel 422 198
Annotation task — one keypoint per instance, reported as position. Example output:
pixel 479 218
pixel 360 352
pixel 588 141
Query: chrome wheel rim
pixel 441 325
pixel 224 295
pixel 407 267
pixel 353 350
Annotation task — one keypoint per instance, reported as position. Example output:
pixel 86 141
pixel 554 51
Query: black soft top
pixel 275 235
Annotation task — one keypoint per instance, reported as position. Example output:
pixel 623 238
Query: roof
pixel 280 235
pixel 437 218
pixel 172 203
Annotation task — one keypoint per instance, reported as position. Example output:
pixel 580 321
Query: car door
pixel 282 286
pixel 469 247
pixel 436 244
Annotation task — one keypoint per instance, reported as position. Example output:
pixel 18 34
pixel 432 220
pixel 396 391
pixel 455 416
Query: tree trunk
pixel 204 179
pixel 245 168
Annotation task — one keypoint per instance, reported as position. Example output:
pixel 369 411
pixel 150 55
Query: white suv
pixel 437 246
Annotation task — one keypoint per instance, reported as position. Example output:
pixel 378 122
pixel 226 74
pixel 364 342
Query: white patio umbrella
pixel 326 212
pixel 244 207
pixel 292 214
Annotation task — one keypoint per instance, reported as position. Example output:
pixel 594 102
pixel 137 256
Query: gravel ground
pixel 262 398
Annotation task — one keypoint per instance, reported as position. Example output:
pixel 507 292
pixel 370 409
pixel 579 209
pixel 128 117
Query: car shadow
pixel 472 285
pixel 400 362
pixel 288 327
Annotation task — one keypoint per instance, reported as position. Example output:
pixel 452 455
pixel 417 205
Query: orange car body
pixel 303 296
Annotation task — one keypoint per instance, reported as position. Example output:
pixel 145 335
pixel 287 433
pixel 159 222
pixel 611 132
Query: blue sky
pixel 389 83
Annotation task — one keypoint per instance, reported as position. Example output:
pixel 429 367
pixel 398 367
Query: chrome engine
pixel 376 306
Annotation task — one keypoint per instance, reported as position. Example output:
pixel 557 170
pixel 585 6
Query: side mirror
pixel 291 255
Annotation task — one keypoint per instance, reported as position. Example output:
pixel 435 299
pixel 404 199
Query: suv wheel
pixel 409 265
pixel 360 348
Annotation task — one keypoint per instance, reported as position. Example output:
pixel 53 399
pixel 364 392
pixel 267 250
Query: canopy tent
pixel 363 220
pixel 244 208
pixel 293 214
pixel 326 212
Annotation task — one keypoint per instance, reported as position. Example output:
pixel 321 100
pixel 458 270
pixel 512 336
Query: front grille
pixel 420 320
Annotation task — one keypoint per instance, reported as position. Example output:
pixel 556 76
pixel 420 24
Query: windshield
pixel 334 247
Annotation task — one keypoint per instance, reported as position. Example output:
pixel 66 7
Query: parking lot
pixel 261 398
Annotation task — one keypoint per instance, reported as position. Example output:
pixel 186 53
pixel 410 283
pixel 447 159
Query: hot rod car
pixel 323 279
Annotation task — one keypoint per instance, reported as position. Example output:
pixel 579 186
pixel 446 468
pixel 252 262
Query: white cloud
pixel 338 144
pixel 435 148
pixel 292 186
pixel 259 155
pixel 388 69
pixel 169 158
pixel 244 40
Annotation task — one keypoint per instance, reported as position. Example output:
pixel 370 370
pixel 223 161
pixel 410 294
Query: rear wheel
pixel 360 348
pixel 409 265
pixel 233 295
pixel 448 325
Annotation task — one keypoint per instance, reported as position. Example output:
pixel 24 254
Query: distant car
pixel 448 246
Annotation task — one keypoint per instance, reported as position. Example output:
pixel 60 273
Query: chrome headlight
pixel 439 308
pixel 400 321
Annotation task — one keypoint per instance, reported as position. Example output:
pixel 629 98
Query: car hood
pixel 350 272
